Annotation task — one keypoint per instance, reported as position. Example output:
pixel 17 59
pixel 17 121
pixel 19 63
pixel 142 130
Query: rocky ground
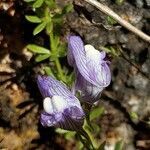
pixel 20 100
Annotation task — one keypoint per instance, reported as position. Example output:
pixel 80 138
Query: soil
pixel 21 102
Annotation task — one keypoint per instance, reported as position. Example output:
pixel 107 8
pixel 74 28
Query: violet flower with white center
pixel 92 71
pixel 61 108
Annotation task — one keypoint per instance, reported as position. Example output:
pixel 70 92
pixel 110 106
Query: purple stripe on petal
pixel 104 76
pixel 76 46
pixel 61 108
pixel 50 119
pixel 49 86
pixel 71 119
pixel 89 92
pixel 70 57
pixel 89 62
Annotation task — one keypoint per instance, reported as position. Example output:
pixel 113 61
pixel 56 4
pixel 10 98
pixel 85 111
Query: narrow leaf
pixel 97 112
pixel 54 41
pixel 62 50
pixel 38 3
pixel 119 145
pixel 39 28
pixel 67 8
pixel 69 135
pixel 49 27
pixel 111 21
pixel 133 115
pixel 48 71
pixel 58 18
pixel 33 19
pixel 29 1
pixel 38 49
pixel 96 128
pixel 119 2
pixel 50 3
pixel 42 57
pixel 61 131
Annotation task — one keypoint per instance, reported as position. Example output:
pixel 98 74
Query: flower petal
pixel 49 87
pixel 89 92
pixel 76 49
pixel 61 108
pixel 54 104
pixel 89 62
pixel 71 119
pixel 49 120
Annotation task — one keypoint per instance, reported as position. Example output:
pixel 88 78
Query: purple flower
pixel 92 71
pixel 61 108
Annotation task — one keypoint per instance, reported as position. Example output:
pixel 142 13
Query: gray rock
pixel 147 3
pixel 139 3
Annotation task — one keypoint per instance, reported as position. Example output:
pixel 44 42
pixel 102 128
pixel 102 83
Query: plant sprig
pixel 48 16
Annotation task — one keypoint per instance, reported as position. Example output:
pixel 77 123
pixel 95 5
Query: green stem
pixel 59 69
pixel 82 141
pixel 87 112
pixel 56 59
pixel 88 139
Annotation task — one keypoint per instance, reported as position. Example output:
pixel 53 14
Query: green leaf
pixel 119 2
pixel 49 27
pixel 134 115
pixel 33 19
pixel 115 52
pixel 67 9
pixel 54 42
pixel 39 28
pixel 38 3
pixel 111 21
pixel 29 1
pixel 87 127
pixel 96 128
pixel 50 3
pixel 42 57
pixel 62 50
pixel 38 49
pixel 119 145
pixel 96 112
pixel 70 77
pixel 69 135
pixel 60 131
pixel 49 72
pixel 58 19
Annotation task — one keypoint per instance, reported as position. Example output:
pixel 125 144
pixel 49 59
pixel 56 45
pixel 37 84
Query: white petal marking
pixel 59 103
pixel 47 105
pixel 92 53
pixel 55 104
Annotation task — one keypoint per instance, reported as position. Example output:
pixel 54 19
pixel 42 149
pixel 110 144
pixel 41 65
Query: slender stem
pixel 87 112
pixel 56 60
pixel 59 69
pixel 82 141
pixel 105 9
pixel 88 139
